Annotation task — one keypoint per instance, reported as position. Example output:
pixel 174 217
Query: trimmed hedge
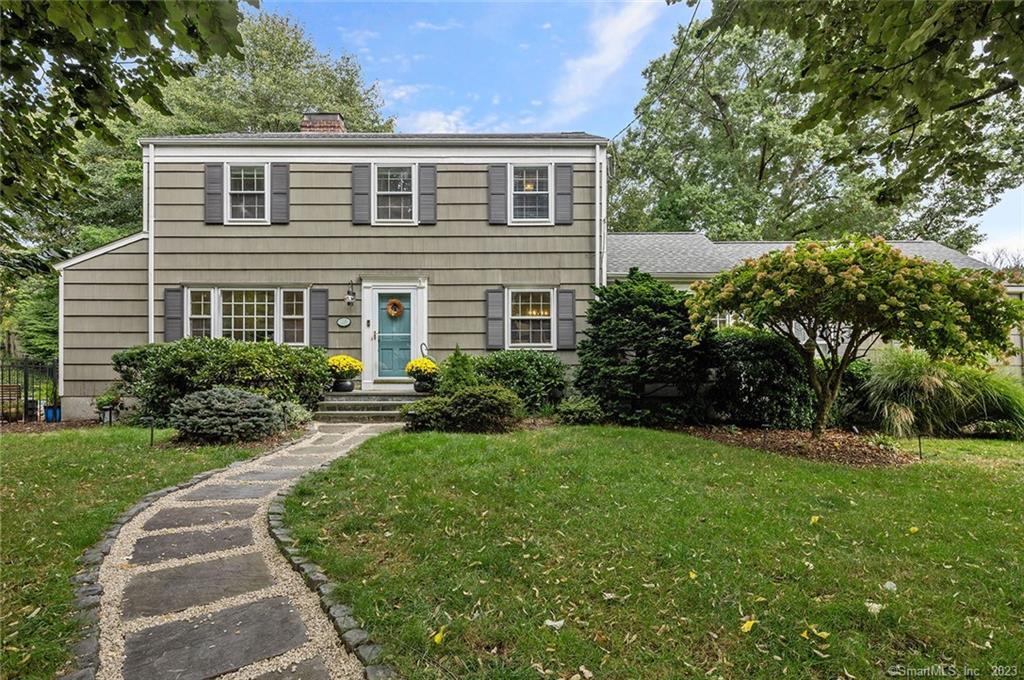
pixel 759 379
pixel 580 411
pixel 537 377
pixel 158 375
pixel 483 408
pixel 225 414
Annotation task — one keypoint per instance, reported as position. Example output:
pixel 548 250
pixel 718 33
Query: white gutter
pixel 311 139
pixel 149 206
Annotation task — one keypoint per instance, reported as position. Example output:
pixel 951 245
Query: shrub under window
pixel 537 377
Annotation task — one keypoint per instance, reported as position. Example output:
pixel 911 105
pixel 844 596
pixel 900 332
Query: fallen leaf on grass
pixel 439 635
pixel 693 574
pixel 555 625
pixel 748 625
pixel 874 607
pixel 815 519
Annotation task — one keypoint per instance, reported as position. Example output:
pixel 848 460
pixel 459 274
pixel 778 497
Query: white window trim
pixel 227 195
pixel 414 169
pixel 550 220
pixel 554 319
pixel 216 311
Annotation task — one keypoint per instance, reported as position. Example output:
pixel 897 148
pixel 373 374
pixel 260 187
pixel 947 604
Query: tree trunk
pixel 824 405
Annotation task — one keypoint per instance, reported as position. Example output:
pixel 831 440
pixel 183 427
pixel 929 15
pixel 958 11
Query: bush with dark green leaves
pixel 537 377
pixel 851 409
pixel 578 410
pixel 226 414
pixel 758 379
pixel 158 375
pixel 482 408
pixel 636 359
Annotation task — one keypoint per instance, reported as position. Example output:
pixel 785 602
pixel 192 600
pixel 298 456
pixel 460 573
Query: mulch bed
pixel 41 426
pixel 835 446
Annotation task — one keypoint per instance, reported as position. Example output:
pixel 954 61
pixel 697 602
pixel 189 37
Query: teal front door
pixel 394 333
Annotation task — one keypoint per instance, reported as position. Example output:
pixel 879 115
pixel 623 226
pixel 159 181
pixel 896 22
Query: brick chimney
pixel 322 122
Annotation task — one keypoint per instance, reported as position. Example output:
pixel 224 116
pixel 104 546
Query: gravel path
pixel 194 586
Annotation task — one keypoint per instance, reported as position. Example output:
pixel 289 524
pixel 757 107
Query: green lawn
pixel 59 492
pixel 655 548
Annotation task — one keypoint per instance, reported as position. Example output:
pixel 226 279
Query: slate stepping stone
pixel 174 518
pixel 214 644
pixel 152 549
pixel 304 462
pixel 310 669
pixel 226 492
pixel 313 449
pixel 336 429
pixel 266 475
pixel 177 588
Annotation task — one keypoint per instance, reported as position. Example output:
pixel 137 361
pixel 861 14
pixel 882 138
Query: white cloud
pixel 614 37
pixel 436 121
pixel 535 102
pixel 357 36
pixel 393 92
pixel 524 46
pixel 495 100
pixel 429 26
pixel 546 26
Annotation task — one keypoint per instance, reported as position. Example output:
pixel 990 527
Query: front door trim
pixel 370 309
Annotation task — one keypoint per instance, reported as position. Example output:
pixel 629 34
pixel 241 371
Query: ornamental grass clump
pixel 912 394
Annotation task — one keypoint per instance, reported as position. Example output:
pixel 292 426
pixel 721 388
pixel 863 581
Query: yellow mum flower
pixel 421 368
pixel 345 367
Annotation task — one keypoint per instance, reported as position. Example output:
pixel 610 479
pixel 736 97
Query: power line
pixel 671 69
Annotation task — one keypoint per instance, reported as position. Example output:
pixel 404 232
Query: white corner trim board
pixel 150 200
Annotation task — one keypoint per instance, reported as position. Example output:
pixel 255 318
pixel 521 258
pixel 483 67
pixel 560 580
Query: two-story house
pixel 382 246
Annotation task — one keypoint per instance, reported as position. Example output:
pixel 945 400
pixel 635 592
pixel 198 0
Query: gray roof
pixel 413 138
pixel 693 255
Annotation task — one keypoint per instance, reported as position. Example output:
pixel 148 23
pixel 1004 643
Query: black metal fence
pixel 26 388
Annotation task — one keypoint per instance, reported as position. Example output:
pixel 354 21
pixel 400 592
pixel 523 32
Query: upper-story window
pixel 247 195
pixel 394 194
pixel 531 194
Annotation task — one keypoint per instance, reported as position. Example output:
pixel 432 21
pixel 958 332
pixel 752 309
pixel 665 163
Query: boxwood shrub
pixel 481 408
pixel 158 375
pixel 580 411
pixel 226 414
pixel 537 377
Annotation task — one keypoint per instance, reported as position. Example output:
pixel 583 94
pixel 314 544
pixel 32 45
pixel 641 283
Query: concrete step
pixel 357 417
pixel 373 395
pixel 362 405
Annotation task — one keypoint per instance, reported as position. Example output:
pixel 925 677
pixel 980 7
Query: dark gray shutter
pixel 494 310
pixel 428 194
pixel 361 194
pixel 318 317
pixel 563 193
pixel 497 194
pixel 174 314
pixel 214 185
pixel 280 196
pixel 566 317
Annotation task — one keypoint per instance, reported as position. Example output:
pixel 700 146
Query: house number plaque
pixel 344 322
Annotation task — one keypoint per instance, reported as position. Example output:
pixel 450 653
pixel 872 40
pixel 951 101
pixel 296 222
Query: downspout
pixel 60 332
pixel 597 214
pixel 604 216
pixel 149 205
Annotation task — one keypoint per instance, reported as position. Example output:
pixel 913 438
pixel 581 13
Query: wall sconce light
pixel 350 294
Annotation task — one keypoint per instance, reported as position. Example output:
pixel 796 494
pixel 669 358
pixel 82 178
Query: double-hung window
pixel 200 313
pixel 249 314
pixel 531 196
pixel 394 194
pixel 247 196
pixel 530 315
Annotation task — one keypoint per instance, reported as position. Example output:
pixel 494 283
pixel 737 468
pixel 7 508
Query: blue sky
pixel 523 66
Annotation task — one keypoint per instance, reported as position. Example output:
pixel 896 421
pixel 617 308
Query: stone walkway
pixel 194 586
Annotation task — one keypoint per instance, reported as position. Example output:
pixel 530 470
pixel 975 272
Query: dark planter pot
pixel 422 387
pixel 344 385
pixel 50 413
